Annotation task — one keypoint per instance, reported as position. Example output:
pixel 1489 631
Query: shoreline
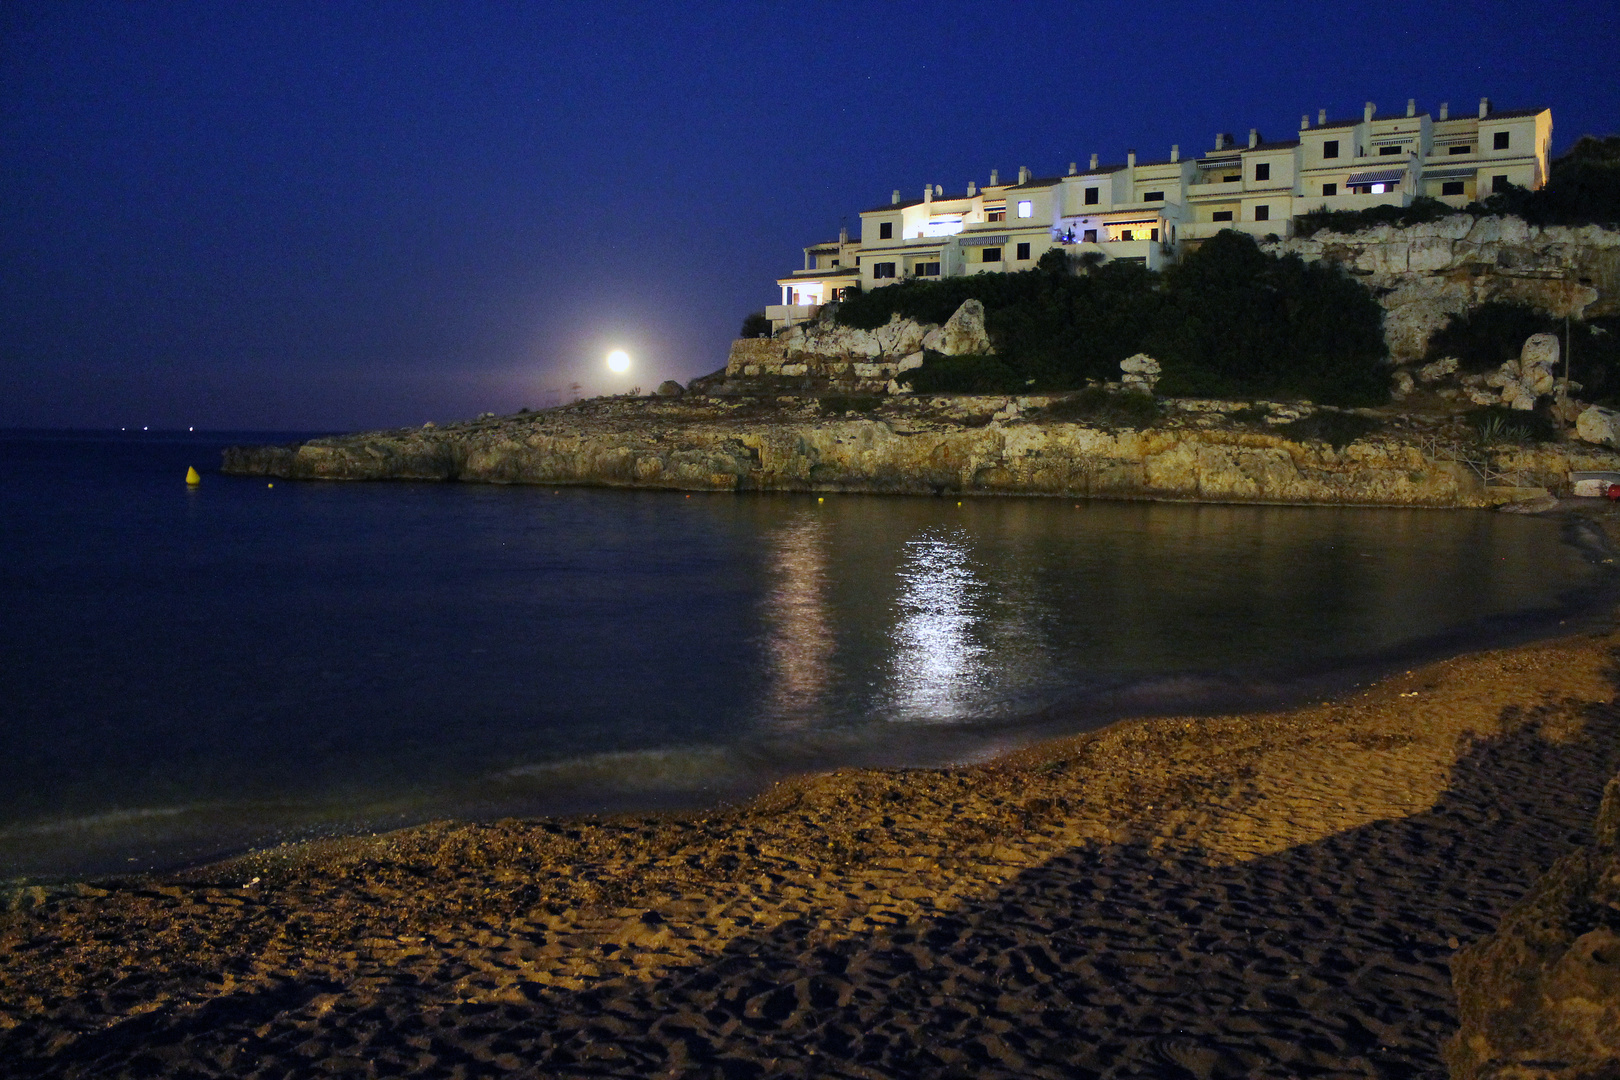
pixel 1255 892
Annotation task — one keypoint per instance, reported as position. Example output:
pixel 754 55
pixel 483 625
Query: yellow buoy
pixel 192 476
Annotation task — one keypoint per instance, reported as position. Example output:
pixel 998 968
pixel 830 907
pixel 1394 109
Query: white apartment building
pixel 1150 211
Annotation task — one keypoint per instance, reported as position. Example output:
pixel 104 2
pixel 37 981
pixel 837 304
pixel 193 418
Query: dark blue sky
pixel 340 215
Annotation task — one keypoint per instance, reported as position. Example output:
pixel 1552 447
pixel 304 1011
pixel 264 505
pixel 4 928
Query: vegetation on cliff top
pixel 1583 188
pixel 1227 320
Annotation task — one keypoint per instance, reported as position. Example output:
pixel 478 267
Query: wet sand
pixel 1264 895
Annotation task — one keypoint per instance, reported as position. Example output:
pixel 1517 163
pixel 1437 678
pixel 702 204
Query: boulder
pixel 1140 372
pixel 670 388
pixel 1598 425
pixel 1539 999
pixel 915 360
pixel 1401 384
pixel 963 333
pixel 1437 370
pixel 1540 352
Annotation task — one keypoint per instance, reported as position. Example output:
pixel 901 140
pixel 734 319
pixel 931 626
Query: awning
pixel 981 241
pixel 1382 176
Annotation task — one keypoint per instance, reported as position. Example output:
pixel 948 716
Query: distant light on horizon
pixel 618 360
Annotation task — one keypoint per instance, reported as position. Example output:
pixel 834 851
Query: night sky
pixel 343 215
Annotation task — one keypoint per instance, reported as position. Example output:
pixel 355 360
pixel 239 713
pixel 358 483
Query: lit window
pixel 1330 149
pixel 1091 196
pixel 1451 187
pixel 1262 213
pixel 1499 141
pixel 1262 172
pixel 992 255
pixel 1330 189
pixel 1026 208
pixel 1023 251
pixel 1153 196
pixel 886 231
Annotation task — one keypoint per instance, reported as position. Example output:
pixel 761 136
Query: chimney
pixel 993 180
pixel 1093 162
pixel 1130 158
pixel 1411 106
pixel 973 189
pixel 1175 151
pixel 1220 140
pixel 894 200
pixel 1367 111
pixel 843 234
pixel 1254 138
pixel 1484 107
pixel 1023 174
pixel 1321 117
pixel 928 193
pixel 1305 121
pixel 1074 168
pixel 1445 110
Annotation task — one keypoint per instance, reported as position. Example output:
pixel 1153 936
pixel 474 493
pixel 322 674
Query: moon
pixel 619 360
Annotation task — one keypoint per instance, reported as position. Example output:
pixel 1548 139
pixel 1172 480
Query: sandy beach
pixel 1263 895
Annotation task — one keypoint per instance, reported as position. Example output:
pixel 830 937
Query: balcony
pixel 1306 203
pixel 785 315
pixel 1217 188
pixel 1203 230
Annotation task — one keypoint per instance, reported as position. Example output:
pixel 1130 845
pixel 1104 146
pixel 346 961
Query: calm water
pixel 189 671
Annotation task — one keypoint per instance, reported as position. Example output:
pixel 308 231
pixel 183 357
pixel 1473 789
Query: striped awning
pixel 982 241
pixel 1381 176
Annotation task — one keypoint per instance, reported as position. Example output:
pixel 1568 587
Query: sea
pixel 188 672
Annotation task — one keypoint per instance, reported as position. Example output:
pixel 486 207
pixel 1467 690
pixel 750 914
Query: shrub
pixel 1229 320
pixel 1422 209
pixel 941 374
pixel 1337 429
pixel 1111 408
pixel 756 325
pixel 1485 337
pixel 844 403
pixel 1498 423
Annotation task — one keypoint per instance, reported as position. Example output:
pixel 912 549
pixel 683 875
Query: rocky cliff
pixel 1423 274
pixel 1202 451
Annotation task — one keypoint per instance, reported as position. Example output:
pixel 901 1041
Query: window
pixel 926 269
pixel 886 231
pixel 991 255
pixel 1231 178
pixel 1463 149
pixel 1090 236
pixel 1026 208
pixel 1126 234
pixel 835 262
pixel 1091 196
pixel 1154 235
pixel 1262 213
pixel 1499 141
pixel 1262 172
pixel 995 213
pixel 883 270
pixel 1330 189
pixel 1451 187
pixel 1023 251
pixel 1221 215
pixel 1499 184
pixel 1330 148
pixel 1387 151
pixel 1153 196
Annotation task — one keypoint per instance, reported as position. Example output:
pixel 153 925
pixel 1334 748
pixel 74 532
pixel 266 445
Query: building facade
pixel 1150 211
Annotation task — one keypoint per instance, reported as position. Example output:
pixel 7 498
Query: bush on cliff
pixel 942 374
pixel 1485 337
pixel 1227 320
pixel 756 325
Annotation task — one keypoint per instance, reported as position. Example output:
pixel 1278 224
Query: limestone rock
pixel 963 333
pixel 1540 352
pixel 1401 384
pixel 1598 425
pixel 915 360
pixel 670 388
pixel 1439 369
pixel 1140 372
pixel 1539 999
